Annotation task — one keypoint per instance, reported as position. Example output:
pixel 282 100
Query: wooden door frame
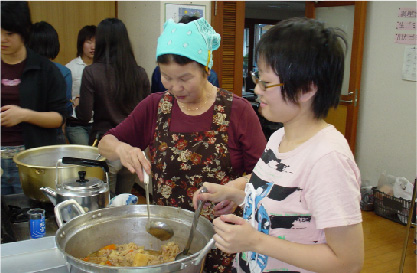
pixel 217 18
pixel 355 65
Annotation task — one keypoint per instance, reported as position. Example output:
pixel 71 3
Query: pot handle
pixel 58 208
pixel 204 251
pixel 85 162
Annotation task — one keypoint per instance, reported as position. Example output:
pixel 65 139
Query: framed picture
pixel 176 11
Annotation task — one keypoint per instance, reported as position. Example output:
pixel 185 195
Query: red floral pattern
pixel 183 161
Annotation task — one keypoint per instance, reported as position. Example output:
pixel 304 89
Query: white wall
pixel 144 21
pixel 386 138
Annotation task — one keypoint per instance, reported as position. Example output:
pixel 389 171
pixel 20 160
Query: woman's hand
pixel 12 115
pixel 234 234
pixel 133 159
pixel 227 206
pixel 214 194
pixel 217 193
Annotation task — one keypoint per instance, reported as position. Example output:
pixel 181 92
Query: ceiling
pixel 295 6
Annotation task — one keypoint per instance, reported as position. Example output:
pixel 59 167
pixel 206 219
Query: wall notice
pixel 406 25
pixel 404 38
pixel 409 64
pixel 407 12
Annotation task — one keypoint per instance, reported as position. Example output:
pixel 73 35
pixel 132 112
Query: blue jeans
pixel 10 179
pixel 78 134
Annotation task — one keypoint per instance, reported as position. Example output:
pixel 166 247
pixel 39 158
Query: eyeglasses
pixel 262 84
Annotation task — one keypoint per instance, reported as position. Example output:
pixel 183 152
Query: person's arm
pixel 342 253
pixel 227 206
pixel 84 110
pixel 218 193
pixel 12 115
pixel 247 132
pixel 130 157
pixel 55 113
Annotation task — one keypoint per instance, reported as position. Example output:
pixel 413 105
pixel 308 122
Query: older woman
pixel 196 132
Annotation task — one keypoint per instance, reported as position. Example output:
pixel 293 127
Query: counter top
pixel 33 255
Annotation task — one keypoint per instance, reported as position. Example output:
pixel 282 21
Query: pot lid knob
pixel 81 175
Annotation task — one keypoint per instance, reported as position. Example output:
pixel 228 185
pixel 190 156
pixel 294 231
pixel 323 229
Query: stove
pixel 15 221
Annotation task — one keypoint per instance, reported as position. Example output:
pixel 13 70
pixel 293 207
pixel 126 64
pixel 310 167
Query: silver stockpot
pixel 91 231
pixel 37 167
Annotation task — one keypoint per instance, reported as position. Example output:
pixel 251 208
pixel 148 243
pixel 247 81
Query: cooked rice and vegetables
pixel 133 255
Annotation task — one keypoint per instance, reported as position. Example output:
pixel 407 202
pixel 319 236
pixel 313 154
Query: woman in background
pixel 114 84
pixel 32 94
pixel 44 41
pixel 77 131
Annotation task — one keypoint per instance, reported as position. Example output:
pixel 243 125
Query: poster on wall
pixel 409 64
pixel 176 11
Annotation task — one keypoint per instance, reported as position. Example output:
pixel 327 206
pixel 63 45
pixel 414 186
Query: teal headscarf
pixel 196 40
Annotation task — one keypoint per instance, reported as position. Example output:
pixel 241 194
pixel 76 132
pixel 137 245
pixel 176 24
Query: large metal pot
pixel 37 167
pixel 120 225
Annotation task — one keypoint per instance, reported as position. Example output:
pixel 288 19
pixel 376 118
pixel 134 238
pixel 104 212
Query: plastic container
pixel 37 223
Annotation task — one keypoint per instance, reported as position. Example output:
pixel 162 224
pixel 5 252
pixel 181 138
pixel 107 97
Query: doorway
pixel 260 16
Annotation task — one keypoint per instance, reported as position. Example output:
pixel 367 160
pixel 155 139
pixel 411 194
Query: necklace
pixel 182 106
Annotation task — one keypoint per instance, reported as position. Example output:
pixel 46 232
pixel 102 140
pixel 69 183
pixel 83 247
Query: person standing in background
pixel 113 85
pixel 33 101
pixel 44 40
pixel 77 131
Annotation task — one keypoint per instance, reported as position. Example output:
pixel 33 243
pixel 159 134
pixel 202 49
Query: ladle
pixel 157 229
pixel 197 213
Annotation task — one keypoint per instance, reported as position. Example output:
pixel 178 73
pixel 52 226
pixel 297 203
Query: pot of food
pixel 37 167
pixel 125 225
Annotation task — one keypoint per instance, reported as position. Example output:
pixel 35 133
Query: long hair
pixel 113 48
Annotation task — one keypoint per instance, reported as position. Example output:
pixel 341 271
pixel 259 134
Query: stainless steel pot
pixel 37 167
pixel 120 225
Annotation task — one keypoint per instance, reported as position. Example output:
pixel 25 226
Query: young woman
pixel 196 132
pixel 77 131
pixel 114 84
pixel 44 41
pixel 32 94
pixel 301 205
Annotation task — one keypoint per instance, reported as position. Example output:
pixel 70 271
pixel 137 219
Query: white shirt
pixel 77 67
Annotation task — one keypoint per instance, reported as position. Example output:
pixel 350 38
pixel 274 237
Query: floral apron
pixel 181 162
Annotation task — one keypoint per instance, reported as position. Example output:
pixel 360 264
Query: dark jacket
pixel 42 89
pixel 97 95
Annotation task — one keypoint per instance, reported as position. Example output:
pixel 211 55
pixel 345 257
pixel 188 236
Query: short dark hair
pixel 44 40
pixel 86 33
pixel 302 51
pixel 15 17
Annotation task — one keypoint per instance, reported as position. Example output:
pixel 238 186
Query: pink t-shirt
pixel 296 195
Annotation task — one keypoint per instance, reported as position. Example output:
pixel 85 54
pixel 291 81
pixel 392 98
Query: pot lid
pixel 83 183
